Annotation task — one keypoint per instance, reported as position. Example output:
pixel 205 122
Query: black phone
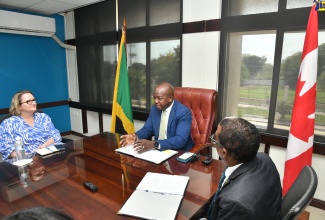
pixel 207 161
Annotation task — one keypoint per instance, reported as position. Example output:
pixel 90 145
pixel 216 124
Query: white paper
pixel 158 196
pixel 128 149
pixel 153 155
pixel 164 183
pixel 47 150
pixel 151 205
pixel 21 163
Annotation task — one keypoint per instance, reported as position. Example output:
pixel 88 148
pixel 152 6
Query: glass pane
pixel 95 18
pixel 165 63
pixel 88 91
pixel 298 4
pixel 249 73
pixel 107 73
pixel 137 73
pixel 290 65
pixel 164 12
pixel 134 11
pixel 245 7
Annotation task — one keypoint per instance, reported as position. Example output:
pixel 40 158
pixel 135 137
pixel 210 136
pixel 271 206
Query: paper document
pixel 158 196
pixel 50 149
pixel 152 155
pixel 164 183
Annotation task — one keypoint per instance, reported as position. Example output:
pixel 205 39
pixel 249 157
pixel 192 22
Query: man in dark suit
pixel 251 188
pixel 176 131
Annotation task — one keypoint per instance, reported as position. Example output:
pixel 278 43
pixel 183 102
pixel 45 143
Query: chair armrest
pixel 199 147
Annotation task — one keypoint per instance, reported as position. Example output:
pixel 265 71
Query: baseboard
pixel 317 203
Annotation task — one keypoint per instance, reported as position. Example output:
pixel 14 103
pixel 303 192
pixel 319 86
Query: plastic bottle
pixel 19 147
pixel 23 175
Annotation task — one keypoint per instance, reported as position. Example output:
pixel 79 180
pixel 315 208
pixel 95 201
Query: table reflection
pixel 19 181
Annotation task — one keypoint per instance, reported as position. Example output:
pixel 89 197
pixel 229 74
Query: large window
pixel 260 62
pixel 154 31
pixel 153 37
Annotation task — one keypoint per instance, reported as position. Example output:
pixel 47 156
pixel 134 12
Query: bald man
pixel 177 132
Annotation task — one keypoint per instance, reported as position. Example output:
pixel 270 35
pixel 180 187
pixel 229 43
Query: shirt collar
pixel 169 108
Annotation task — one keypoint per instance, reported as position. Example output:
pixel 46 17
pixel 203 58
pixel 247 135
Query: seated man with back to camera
pixel 175 130
pixel 35 129
pixel 251 188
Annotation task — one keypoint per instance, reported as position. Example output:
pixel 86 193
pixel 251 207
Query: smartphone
pixel 185 157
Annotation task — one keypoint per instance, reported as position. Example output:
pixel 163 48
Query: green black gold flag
pixel 122 115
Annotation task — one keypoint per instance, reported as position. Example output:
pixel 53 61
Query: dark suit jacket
pixel 178 128
pixel 253 191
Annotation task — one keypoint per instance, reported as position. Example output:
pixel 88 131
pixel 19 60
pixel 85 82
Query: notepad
pixel 50 149
pixel 158 196
pixel 152 155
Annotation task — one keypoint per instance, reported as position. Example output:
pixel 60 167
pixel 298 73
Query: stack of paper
pixel 50 149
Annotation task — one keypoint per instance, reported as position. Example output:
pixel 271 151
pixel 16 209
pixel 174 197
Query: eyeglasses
pixel 214 141
pixel 29 102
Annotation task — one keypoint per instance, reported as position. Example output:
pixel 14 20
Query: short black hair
pixel 240 138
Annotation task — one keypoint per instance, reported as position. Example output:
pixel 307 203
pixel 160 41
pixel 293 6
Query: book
pixel 158 196
pixel 152 155
pixel 51 149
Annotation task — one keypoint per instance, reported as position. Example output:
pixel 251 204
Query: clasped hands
pixel 139 145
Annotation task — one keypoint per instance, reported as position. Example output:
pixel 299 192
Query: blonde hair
pixel 15 102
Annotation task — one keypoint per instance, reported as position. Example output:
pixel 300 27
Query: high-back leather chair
pixel 202 103
pixel 300 194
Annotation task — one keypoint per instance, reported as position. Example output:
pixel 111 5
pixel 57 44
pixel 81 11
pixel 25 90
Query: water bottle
pixel 20 151
pixel 23 175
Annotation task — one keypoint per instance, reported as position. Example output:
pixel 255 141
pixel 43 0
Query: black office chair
pixel 300 194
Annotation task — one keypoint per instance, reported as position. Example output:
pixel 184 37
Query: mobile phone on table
pixel 185 157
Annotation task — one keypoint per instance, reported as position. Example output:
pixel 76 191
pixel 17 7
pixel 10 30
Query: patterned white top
pixel 32 136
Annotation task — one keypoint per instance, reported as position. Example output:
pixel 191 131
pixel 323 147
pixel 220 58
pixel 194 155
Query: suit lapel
pixel 172 115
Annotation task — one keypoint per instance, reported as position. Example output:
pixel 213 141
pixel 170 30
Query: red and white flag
pixel 301 136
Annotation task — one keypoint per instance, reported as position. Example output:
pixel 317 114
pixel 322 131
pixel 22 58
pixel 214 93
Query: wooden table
pixel 95 160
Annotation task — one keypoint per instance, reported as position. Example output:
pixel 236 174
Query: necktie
pixel 162 128
pixel 222 178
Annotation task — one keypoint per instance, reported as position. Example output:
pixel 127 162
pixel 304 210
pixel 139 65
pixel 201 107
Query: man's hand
pixel 142 145
pixel 128 139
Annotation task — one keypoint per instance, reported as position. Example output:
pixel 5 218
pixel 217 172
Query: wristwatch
pixel 156 145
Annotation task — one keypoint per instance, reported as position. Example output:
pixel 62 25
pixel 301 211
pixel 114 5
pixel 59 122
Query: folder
pixel 158 196
pixel 152 155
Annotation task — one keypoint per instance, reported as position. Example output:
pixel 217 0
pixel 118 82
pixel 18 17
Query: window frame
pixel 280 21
pixel 145 34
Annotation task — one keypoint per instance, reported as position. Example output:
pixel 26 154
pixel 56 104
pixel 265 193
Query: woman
pixel 34 128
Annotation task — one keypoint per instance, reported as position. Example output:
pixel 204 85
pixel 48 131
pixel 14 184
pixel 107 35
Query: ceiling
pixel 46 7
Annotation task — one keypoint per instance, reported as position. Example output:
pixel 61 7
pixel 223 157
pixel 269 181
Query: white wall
pixel 200 69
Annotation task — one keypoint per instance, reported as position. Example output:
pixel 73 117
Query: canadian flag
pixel 301 136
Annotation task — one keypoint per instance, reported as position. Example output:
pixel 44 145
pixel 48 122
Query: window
pixel 261 64
pixel 290 64
pixel 249 75
pixel 153 37
pixel 244 7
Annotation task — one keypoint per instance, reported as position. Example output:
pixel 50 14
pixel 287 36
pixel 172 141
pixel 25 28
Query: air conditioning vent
pixel 18 23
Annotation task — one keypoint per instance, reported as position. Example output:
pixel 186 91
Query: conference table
pixel 60 185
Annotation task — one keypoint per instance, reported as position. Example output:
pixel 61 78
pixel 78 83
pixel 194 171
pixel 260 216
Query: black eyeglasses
pixel 214 141
pixel 29 102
